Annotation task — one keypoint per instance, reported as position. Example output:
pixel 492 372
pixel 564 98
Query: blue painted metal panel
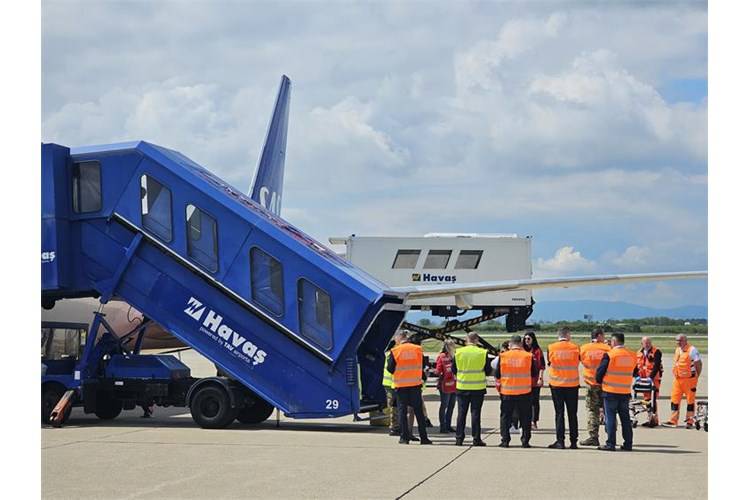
pixel 214 312
pixel 154 366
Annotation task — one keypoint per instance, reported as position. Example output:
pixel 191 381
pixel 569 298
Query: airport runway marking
pixel 91 441
pixel 436 472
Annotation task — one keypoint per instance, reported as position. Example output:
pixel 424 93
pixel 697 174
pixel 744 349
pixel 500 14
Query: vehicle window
pixel 202 239
pixel 314 314
pixel 437 259
pixel 62 343
pixel 266 281
pixel 87 187
pixel 406 259
pixel 468 259
pixel 156 208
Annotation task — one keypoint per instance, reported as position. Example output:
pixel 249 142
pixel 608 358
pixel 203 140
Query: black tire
pixel 255 414
pixel 697 425
pixel 705 427
pixel 51 395
pixel 107 408
pixel 211 408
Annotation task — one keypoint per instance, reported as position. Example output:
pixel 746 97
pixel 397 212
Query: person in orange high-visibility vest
pixel 615 373
pixel 649 366
pixel 591 357
pixel 687 367
pixel 563 357
pixel 406 363
pixel 515 369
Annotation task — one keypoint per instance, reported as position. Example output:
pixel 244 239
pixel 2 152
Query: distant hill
pixel 571 310
pixel 567 310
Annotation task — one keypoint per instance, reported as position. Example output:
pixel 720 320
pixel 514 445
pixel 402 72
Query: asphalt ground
pixel 168 456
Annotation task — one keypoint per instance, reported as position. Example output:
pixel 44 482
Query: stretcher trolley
pixel 701 415
pixel 646 388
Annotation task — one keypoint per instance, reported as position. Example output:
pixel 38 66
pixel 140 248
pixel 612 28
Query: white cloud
pixel 566 261
pixel 548 119
pixel 634 257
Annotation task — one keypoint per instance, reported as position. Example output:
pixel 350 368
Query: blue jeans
pixel 614 405
pixel 445 413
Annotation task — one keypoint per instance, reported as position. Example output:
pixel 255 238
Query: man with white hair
pixel 649 366
pixel 686 369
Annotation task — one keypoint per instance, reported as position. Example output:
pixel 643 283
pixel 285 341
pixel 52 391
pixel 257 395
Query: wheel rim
pixel 210 407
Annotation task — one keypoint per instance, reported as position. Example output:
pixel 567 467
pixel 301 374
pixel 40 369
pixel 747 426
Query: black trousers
pixel 475 399
pixel 410 396
pixel 565 399
pixel 535 403
pixel 510 406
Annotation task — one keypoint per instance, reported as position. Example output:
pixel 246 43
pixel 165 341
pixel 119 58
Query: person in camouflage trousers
pixel 591 357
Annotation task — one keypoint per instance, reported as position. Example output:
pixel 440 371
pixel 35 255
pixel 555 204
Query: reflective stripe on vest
pixel 470 362
pixel 408 371
pixel 387 377
pixel 683 364
pixel 591 357
pixel 619 374
pixel 645 363
pixel 563 359
pixel 515 372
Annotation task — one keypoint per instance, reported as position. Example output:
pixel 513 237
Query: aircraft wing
pixel 428 291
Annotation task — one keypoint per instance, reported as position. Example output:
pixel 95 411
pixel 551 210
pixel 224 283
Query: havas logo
pixel 48 257
pixel 436 278
pixel 274 204
pixel 213 322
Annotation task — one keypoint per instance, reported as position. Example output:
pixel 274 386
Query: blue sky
pixel 582 124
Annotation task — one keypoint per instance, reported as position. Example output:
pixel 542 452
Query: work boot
pixel 626 448
pixel 425 441
pixel 403 441
pixel 394 432
pixel 525 444
pixel 428 424
pixel 504 444
pixel 479 443
pixel 557 445
pixel 590 442
pixel 573 446
pixel 459 442
pixel 413 438
pixel 669 423
pixel 607 448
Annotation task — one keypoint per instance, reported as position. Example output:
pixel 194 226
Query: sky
pixel 580 123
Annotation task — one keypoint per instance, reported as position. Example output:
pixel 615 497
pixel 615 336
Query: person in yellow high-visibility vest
pixel 390 393
pixel 471 365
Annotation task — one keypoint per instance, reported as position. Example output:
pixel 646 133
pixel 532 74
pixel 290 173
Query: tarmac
pixel 168 456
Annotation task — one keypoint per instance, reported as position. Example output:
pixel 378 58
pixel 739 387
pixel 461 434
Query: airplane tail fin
pixel 268 182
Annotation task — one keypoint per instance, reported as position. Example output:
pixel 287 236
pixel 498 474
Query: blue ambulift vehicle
pixel 292 325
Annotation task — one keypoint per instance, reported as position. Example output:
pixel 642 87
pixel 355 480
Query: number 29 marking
pixel 332 404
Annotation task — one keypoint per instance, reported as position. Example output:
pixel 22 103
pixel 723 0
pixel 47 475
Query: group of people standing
pixel 608 372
